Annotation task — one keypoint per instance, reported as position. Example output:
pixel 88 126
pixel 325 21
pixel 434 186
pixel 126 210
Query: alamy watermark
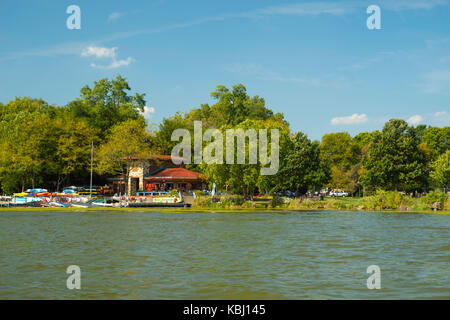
pixel 213 152
pixel 74 20
pixel 374 20
pixel 374 281
pixel 74 280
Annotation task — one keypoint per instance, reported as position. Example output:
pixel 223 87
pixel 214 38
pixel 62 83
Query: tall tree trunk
pixel 126 180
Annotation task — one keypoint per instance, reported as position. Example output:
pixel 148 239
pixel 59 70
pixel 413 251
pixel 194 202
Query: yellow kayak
pixel 70 194
pixel 21 194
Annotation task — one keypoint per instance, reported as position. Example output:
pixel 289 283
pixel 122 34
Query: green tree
pixel 394 160
pixel 166 128
pixel 232 108
pixel 108 104
pixel 436 141
pixel 24 150
pixel 246 178
pixel 362 139
pixel 127 143
pixel 25 142
pixel 338 149
pixel 41 144
pixel 420 131
pixel 72 148
pixel 303 168
pixel 342 154
pixel 25 105
pixel 440 171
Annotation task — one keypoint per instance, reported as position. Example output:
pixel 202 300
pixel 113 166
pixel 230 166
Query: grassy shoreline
pixel 218 210
pixel 381 201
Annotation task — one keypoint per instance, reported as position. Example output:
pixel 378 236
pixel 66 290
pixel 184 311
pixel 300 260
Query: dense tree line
pixel 50 146
pixel 46 145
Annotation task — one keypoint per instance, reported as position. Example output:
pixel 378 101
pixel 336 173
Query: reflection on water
pixel 189 255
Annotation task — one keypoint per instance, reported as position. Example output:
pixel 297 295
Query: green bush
pixel 251 204
pixel 295 204
pixel 276 202
pixel 202 202
pixel 308 203
pixel 232 201
pixel 386 200
pixel 199 193
pixel 331 204
pixel 341 205
pixel 435 196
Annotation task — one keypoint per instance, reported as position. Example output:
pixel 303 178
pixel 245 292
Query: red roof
pixel 119 177
pixel 167 173
pixel 175 173
pixel 157 157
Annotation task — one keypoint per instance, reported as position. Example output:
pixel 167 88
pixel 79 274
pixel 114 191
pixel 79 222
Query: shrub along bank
pixel 380 201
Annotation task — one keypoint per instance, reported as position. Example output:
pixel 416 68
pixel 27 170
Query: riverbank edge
pixel 221 210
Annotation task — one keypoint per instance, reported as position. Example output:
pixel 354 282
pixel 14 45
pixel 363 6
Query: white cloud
pixel 102 52
pixel 99 52
pixel 353 119
pixel 440 118
pixel 114 16
pixel 123 62
pixel 114 64
pixel 416 119
pixel 148 112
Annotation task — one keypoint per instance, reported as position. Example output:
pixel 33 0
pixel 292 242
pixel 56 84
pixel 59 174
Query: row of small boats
pixel 32 201
pixel 70 198
pixel 45 193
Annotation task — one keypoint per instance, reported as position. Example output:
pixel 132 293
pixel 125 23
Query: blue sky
pixel 316 62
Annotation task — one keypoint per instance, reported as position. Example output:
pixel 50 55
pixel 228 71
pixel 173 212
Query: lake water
pixel 194 255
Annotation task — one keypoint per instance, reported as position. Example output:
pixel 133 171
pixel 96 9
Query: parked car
pixel 338 193
pixel 285 193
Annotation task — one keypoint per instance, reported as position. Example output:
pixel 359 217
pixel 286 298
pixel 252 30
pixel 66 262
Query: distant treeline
pixel 50 146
